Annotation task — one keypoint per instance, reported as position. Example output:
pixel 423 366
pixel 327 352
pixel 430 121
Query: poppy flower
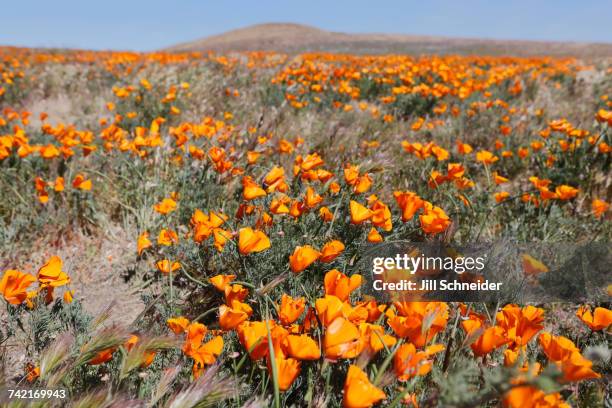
pixel 501 196
pixel 331 250
pixel 302 347
pixel 565 192
pixel 358 391
pixel 80 183
pixel 166 206
pixel 434 220
pixel 235 292
pixel 165 266
pixel 359 213
pixel 375 338
pixel 250 240
pixel 374 236
pixel 167 237
pixel 342 339
pixel 520 324
pixel 408 362
pixel 338 284
pixel 230 317
pixel 325 214
pixel 14 285
pixel 143 242
pixel 599 319
pixel 206 354
pixel 287 370
pixel 51 274
pixel 251 190
pixel 220 282
pixel 102 356
pixel 483 339
pixel 599 207
pixel 485 157
pixel 290 309
pixel 499 179
pixel 58 185
pixel 530 396
pixel 178 325
pixel 32 372
pixel 415 317
pixel 254 338
pixel 312 199
pixel 302 257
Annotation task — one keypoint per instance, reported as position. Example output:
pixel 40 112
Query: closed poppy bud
pixel 302 257
pixel 290 309
pixel 359 213
pixel 178 325
pixel 358 391
pixel 250 240
pixel 331 250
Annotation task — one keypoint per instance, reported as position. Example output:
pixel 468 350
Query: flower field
pixel 240 191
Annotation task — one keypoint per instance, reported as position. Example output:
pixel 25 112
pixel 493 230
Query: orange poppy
pixel 359 213
pixel 302 257
pixel 220 282
pixel 331 250
pixel 290 309
pixel 51 274
pixel 338 284
pixel 408 362
pixel 80 183
pixel 250 240
pixel 358 391
pixel 166 206
pixel 143 242
pixel 599 319
pixel 178 325
pixel 14 285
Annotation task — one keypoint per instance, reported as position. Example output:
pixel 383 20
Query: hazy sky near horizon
pixel 154 24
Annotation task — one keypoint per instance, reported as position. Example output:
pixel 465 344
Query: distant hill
pixel 291 38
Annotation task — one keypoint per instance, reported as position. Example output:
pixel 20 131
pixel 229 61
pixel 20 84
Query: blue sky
pixel 154 24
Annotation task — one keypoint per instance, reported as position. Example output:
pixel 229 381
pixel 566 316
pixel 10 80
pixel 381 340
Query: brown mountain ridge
pixel 294 38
